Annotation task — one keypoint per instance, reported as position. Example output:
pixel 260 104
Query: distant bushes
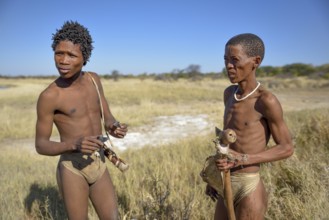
pixel 194 72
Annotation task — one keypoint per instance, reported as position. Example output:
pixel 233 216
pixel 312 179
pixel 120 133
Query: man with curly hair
pixel 255 114
pixel 72 103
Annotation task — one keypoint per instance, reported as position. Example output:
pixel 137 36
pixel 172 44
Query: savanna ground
pixel 163 181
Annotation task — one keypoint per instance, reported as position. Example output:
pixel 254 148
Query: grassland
pixel 164 181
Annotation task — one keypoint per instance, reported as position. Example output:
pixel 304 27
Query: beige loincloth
pixel 89 166
pixel 242 185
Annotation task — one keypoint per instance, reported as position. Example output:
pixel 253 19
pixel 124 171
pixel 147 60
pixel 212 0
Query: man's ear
pixel 257 61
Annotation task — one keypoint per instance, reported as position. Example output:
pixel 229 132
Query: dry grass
pixel 164 182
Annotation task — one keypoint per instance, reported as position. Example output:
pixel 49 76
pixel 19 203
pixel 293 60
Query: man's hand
pixel 225 164
pixel 232 160
pixel 212 193
pixel 119 130
pixel 88 144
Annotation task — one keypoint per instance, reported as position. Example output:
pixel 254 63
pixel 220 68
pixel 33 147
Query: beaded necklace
pixel 236 98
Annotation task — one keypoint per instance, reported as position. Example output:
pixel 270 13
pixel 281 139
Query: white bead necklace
pixel 236 98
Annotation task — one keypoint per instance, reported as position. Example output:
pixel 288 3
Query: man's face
pixel 68 58
pixel 238 64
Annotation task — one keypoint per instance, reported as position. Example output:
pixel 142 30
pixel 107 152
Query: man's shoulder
pixel 230 89
pixel 90 73
pixel 228 92
pixel 48 98
pixel 91 76
pixel 50 92
pixel 265 93
pixel 266 97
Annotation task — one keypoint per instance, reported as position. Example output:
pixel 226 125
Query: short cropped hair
pixel 76 33
pixel 251 43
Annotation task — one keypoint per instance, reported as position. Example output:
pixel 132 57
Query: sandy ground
pixel 164 130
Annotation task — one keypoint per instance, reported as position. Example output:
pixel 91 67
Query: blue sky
pixel 156 36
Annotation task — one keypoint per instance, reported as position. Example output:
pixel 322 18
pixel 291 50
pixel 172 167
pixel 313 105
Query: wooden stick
pixel 228 195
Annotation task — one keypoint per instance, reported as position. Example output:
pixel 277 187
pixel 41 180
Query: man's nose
pixel 65 59
pixel 229 65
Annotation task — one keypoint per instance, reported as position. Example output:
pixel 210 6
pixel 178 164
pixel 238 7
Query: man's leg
pixel 254 205
pixel 103 197
pixel 75 191
pixel 221 211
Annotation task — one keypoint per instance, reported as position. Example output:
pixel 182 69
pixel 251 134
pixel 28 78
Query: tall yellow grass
pixel 164 181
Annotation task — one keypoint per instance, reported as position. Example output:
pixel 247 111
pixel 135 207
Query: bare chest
pixel 75 103
pixel 241 115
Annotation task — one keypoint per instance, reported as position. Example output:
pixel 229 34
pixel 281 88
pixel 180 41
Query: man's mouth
pixel 63 71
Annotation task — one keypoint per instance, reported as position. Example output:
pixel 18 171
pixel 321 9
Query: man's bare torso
pixel 247 120
pixel 76 108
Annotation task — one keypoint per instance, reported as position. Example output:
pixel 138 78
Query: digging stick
pixel 228 195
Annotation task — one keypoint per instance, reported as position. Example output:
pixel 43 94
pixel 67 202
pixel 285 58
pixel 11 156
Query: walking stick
pixel 226 138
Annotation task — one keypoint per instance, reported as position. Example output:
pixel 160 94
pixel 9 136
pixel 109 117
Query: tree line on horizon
pixel 194 72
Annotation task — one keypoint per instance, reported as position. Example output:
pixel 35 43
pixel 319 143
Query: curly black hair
pixel 78 34
pixel 251 43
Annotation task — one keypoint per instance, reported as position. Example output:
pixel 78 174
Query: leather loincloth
pixel 242 185
pixel 89 166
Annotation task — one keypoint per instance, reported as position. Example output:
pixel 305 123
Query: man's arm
pixel 283 148
pixel 116 130
pixel 44 125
